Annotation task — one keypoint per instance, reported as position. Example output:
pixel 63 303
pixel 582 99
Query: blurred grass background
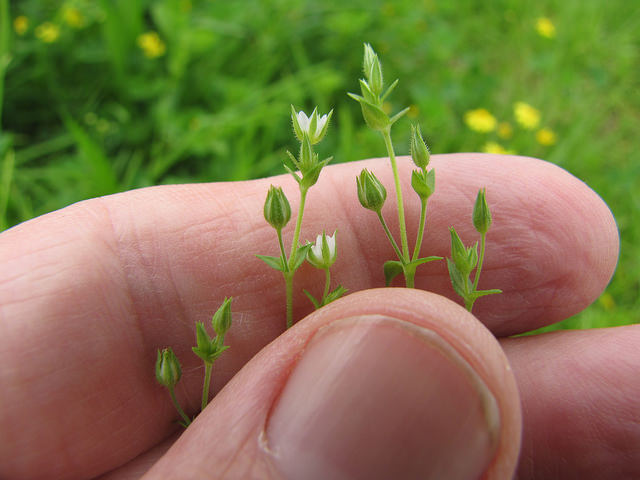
pixel 102 96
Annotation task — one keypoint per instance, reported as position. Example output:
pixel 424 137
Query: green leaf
pixel 338 292
pixel 300 256
pixel 398 116
pixel 293 173
pixel 389 90
pixel 422 260
pixel 392 269
pixel 273 262
pixel 315 302
pixel 483 293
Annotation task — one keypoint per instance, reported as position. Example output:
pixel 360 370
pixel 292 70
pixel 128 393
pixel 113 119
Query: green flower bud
pixel 168 370
pixel 370 57
pixel 206 347
pixel 323 253
pixel 371 192
pixel 423 182
pixel 481 213
pixel 221 320
pixel 464 258
pixel 374 72
pixel 277 210
pixel 419 150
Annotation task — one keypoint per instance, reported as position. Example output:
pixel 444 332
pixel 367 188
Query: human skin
pixel 90 292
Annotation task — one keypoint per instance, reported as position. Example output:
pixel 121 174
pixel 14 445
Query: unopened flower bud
pixel 371 192
pixel 221 320
pixel 277 210
pixel 423 182
pixel 419 150
pixel 168 370
pixel 481 213
pixel 464 258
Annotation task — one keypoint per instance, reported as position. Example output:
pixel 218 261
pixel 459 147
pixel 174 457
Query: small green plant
pixel 309 130
pixel 169 371
pixel 306 169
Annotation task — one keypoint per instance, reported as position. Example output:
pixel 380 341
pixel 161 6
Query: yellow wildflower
pixel 505 130
pixel 495 147
pixel 607 302
pixel 480 120
pixel 47 32
pixel 526 115
pixel 413 112
pixel 151 44
pixel 545 27
pixel 73 17
pixel 21 24
pixel 545 137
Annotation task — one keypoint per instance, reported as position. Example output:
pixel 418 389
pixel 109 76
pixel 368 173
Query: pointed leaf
pixel 273 262
pixel 398 116
pixel 315 302
pixel 483 293
pixel 422 260
pixel 338 292
pixel 389 90
pixel 300 256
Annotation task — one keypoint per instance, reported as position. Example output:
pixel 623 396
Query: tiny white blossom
pixel 303 124
pixel 323 253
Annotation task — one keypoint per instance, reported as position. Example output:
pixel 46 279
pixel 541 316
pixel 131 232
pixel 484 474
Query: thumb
pixel 387 383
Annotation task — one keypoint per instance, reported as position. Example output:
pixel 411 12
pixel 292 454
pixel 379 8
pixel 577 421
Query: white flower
pixel 323 253
pixel 315 126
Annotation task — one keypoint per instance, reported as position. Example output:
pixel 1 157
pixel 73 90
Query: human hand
pixel 383 383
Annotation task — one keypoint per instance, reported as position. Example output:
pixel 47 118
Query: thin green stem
pixel 296 233
pixel 483 238
pixel 282 254
pixel 185 418
pixel 423 218
pixel 208 367
pixel 386 134
pixel 288 281
pixel 288 275
pixel 390 237
pixel 327 283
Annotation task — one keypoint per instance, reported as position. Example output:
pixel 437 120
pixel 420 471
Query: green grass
pixel 89 114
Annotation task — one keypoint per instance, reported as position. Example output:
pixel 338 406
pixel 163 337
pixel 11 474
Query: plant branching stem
pixel 423 218
pixel 288 275
pixel 483 238
pixel 386 134
pixel 390 237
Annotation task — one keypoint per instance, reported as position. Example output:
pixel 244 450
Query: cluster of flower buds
pixel 208 349
pixel 465 259
pixel 372 98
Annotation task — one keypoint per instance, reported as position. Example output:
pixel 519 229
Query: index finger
pixel 104 283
